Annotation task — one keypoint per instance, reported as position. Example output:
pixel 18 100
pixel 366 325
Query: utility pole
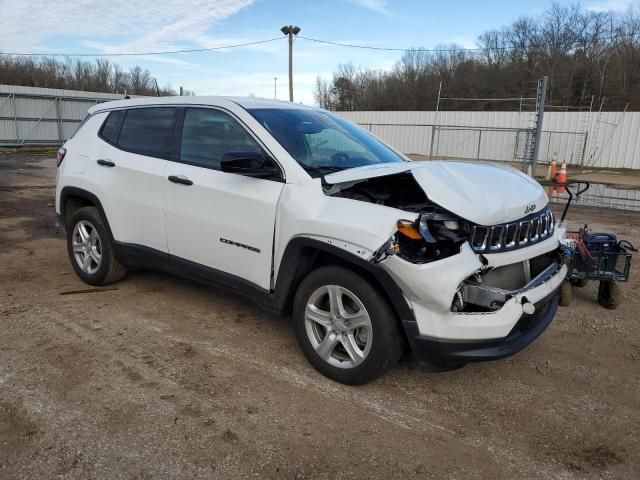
pixel 290 31
pixel 275 88
pixel 542 93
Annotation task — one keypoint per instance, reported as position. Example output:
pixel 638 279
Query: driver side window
pixel 208 134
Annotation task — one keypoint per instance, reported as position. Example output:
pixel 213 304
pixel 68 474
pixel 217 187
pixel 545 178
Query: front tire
pixel 90 249
pixel 345 327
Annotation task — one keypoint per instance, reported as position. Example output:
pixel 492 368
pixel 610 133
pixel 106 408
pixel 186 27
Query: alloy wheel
pixel 87 247
pixel 338 326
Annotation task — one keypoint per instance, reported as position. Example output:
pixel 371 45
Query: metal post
pixel 479 143
pixel 584 147
pixel 542 93
pixel 435 122
pixel 58 101
pixel 291 64
pixel 181 91
pixel 15 117
pixel 275 88
pixel 433 134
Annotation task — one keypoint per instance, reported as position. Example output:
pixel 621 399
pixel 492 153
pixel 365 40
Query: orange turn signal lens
pixel 406 228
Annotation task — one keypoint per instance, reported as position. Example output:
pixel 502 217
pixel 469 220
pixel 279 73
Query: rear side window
pixel 111 126
pixel 208 134
pixel 149 131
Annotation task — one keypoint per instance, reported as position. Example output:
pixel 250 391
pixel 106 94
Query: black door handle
pixel 106 163
pixel 180 179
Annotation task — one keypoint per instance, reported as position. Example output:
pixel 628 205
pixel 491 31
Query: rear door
pixel 133 158
pixel 220 223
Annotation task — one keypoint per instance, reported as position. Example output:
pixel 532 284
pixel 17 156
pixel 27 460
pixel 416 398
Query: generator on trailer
pixel 598 256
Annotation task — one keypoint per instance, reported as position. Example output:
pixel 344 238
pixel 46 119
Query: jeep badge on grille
pixel 530 208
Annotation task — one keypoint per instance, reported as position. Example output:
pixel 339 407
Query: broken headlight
pixel 433 236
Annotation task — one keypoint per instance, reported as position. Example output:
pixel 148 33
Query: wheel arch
pixel 304 255
pixel 73 198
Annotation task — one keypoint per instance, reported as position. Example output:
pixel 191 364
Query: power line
pixel 451 50
pixel 316 40
pixel 128 54
pixel 469 99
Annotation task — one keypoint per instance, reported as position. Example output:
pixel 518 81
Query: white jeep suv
pixel 313 217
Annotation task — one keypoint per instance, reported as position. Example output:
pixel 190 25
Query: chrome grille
pixel 513 235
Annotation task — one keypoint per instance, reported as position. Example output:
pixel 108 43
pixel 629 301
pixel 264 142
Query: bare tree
pixel 586 54
pixel 101 76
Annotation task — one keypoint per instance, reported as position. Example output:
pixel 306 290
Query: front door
pixel 218 220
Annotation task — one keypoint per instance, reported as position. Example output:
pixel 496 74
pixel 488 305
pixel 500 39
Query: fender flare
pixel 79 192
pixel 297 262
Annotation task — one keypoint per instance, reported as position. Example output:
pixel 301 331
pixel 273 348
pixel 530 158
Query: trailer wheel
pixel 566 293
pixel 609 294
pixel 579 282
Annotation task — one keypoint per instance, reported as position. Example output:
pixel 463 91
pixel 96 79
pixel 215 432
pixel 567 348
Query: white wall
pixel 607 145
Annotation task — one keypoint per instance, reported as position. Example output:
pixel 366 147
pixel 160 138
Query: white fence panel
pixel 31 115
pixel 612 138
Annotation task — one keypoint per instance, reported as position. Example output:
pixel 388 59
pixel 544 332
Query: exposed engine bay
pixel 435 235
pixel 397 191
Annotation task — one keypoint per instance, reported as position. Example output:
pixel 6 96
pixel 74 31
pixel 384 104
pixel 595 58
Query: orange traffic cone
pixel 550 190
pixel 553 165
pixel 561 179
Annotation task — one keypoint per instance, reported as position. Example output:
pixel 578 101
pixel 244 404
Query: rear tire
pixel 90 249
pixel 345 327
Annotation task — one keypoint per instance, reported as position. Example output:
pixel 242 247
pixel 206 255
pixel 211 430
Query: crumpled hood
pixel 483 193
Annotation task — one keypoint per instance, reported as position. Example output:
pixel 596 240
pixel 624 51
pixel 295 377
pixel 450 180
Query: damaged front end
pixel 476 255
pixel 434 235
pixel 488 289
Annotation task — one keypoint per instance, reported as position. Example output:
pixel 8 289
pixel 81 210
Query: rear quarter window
pixel 111 126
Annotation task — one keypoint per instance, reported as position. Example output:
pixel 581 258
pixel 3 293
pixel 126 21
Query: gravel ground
pixel 164 378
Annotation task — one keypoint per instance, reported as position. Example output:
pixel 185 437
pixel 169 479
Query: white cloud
pixel 127 26
pixel 379 6
pixel 612 5
pixel 464 41
pixel 260 84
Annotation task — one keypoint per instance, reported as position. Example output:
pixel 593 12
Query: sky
pixel 89 27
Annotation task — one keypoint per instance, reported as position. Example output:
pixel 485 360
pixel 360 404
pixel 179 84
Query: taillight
pixel 61 153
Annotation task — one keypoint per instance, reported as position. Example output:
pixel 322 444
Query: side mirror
pixel 249 163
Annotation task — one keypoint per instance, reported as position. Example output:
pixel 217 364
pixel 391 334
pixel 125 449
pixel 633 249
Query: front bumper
pixel 440 335
pixel 455 352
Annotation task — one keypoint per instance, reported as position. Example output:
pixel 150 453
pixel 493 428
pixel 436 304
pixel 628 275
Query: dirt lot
pixel 164 378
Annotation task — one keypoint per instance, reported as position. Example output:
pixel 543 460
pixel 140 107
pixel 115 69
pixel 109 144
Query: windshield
pixel 322 142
